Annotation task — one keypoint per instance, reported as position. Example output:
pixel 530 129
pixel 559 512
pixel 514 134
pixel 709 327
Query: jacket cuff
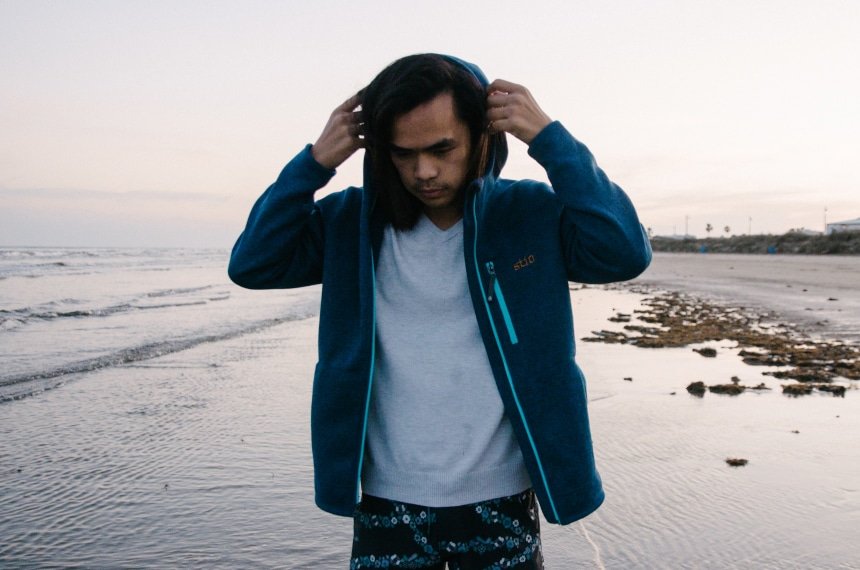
pixel 304 167
pixel 553 140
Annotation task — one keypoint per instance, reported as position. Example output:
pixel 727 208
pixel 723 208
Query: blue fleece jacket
pixel 524 241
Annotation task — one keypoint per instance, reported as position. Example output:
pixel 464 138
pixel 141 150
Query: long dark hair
pixel 399 88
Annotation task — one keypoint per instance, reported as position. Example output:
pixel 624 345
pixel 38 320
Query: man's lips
pixel 430 191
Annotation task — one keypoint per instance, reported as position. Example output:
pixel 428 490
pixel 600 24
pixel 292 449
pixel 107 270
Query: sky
pixel 159 123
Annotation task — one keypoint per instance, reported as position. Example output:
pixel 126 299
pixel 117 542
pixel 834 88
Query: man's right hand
pixel 341 136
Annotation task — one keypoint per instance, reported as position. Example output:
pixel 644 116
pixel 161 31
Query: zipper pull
pixel 491 269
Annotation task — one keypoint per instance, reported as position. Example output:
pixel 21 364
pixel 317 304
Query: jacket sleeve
pixel 600 230
pixel 282 244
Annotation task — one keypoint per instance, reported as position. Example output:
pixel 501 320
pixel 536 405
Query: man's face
pixel 431 148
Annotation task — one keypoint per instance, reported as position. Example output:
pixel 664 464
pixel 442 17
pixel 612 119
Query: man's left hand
pixel 512 109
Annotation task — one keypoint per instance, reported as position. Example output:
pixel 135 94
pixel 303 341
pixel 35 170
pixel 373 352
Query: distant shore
pixel 840 243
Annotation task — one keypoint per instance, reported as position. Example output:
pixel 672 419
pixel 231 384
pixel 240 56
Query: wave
pixel 13 318
pixel 35 253
pixel 25 385
pixel 38 262
pixel 108 252
pixel 9 319
pixel 178 291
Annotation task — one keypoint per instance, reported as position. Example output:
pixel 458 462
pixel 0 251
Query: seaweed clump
pixel 672 319
pixel 801 389
pixel 699 389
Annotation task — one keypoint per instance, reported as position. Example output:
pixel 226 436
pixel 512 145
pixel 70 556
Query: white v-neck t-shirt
pixel 437 433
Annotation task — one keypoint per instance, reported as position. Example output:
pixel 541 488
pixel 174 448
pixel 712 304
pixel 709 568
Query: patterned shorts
pixel 494 534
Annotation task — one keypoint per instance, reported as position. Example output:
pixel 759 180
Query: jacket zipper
pixel 369 381
pixel 497 290
pixel 494 291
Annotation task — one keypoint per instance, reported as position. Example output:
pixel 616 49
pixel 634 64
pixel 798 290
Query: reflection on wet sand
pixel 673 319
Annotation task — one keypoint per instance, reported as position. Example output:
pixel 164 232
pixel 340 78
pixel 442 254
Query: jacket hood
pixel 496 157
pixel 498 154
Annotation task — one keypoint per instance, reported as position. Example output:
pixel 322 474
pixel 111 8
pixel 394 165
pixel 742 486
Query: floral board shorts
pixel 495 534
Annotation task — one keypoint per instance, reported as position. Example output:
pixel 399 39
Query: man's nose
pixel 425 168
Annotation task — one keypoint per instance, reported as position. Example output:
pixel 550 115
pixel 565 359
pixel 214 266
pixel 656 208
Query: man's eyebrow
pixel 439 145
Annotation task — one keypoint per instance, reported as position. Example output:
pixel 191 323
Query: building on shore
pixel 846 226
pixel 805 232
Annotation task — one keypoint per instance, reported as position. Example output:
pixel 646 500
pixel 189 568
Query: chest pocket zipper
pixel 494 293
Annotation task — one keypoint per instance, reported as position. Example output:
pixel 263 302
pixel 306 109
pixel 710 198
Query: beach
pixel 150 434
pixel 820 293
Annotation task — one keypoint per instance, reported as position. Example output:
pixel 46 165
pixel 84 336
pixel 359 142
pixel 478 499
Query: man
pixel 446 397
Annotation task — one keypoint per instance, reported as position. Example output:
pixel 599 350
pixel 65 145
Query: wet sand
pixel 817 292
pixel 201 458
pixel 673 500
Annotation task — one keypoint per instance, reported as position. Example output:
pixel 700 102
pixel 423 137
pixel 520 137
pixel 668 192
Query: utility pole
pixel 825 219
pixel 686 225
pixel 749 231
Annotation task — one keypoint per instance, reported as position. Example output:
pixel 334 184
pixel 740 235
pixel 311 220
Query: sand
pixel 819 293
pixel 201 458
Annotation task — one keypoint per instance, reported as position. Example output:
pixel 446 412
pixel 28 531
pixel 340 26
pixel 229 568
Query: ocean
pixel 64 312
pixel 153 415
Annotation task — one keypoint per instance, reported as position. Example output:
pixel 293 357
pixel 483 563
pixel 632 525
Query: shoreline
pixel 755 303
pixel 817 294
pixel 764 341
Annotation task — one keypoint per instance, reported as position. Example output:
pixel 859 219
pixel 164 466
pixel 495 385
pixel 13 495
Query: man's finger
pixel 498 113
pixel 499 125
pixel 350 103
pixel 503 86
pixel 497 99
pixel 355 129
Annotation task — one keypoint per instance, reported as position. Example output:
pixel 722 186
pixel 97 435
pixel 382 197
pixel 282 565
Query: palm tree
pixel 709 228
pixel 727 229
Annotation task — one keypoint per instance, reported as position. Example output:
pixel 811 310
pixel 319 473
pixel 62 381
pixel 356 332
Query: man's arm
pixel 282 244
pixel 600 229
